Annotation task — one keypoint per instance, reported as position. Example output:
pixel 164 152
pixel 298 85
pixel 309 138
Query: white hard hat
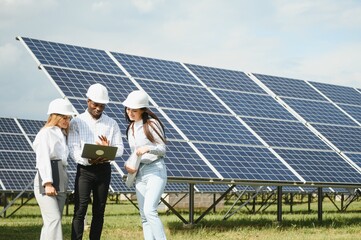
pixel 60 106
pixel 98 93
pixel 137 99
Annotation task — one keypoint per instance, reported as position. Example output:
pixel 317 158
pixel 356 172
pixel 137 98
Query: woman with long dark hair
pixel 146 139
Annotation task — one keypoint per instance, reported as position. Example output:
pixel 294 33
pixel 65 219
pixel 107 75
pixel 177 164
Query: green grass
pixel 122 221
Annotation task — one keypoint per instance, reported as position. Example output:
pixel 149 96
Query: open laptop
pixel 94 151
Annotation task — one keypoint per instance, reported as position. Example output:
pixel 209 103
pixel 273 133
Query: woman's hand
pixel 50 189
pixel 130 170
pixel 140 151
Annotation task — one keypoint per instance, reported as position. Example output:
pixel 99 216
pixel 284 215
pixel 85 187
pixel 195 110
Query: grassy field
pixel 123 222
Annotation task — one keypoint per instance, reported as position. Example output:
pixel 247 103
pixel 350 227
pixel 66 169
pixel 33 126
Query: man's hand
pixel 97 160
pixel 103 141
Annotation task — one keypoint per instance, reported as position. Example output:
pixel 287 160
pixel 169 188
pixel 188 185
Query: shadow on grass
pixel 28 232
pixel 263 223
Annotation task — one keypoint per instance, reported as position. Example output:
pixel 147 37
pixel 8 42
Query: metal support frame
pixel 228 214
pixel 13 201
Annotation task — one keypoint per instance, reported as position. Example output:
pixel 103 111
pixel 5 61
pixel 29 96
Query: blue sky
pixel 317 40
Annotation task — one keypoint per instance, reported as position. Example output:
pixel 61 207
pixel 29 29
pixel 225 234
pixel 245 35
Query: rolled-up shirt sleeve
pixel 75 144
pixel 158 148
pixel 117 140
pixel 42 150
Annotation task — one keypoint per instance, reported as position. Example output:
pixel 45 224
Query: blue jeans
pixel 150 184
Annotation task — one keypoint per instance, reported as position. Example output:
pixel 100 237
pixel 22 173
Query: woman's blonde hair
pixel 54 119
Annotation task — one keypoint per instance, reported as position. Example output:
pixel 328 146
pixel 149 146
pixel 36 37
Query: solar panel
pixel 355 157
pixel 254 105
pixel 286 87
pixel 183 162
pixel 288 134
pixel 68 56
pixel 316 166
pixel 181 96
pixel 8 125
pixel 353 111
pixel 200 103
pixel 12 142
pixel 207 127
pixel 211 188
pixel 347 139
pixel 246 163
pixel 319 112
pixel 31 127
pixel 17 160
pixel 75 83
pixel 225 79
pixel 17 180
pixel 151 68
pixel 339 94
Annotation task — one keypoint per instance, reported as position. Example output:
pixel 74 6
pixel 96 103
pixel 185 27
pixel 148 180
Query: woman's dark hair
pixel 147 115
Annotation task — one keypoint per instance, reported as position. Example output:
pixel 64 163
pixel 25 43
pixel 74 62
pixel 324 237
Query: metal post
pixel 320 198
pixel 191 203
pixel 279 204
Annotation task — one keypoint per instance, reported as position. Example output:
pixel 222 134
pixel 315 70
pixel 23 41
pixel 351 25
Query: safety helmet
pixel 137 99
pixel 60 106
pixel 98 93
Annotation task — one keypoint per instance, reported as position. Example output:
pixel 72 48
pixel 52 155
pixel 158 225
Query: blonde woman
pixel 50 148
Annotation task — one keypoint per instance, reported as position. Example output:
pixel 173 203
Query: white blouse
pixel 139 139
pixel 49 144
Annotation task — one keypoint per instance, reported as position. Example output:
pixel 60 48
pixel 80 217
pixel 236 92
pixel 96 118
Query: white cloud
pixel 341 66
pixel 9 55
pixel 146 5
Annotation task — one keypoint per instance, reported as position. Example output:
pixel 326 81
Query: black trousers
pixel 96 179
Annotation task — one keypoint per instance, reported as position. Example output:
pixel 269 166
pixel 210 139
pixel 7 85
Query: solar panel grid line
pixel 205 160
pixel 294 88
pixel 65 55
pixel 55 76
pixel 339 138
pixel 339 94
pixel 319 112
pixel 227 107
pixel 217 78
pixel 62 94
pixel 318 133
pixel 332 102
pixel 298 116
pixel 323 168
pixel 241 163
pixel 352 110
pixel 261 85
pixel 23 131
pixel 151 68
pixel 278 99
pixel 287 165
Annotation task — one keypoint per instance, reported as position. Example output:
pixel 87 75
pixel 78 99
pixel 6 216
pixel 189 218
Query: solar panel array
pixel 17 161
pixel 223 125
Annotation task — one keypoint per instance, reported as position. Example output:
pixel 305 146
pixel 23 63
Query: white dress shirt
pixel 49 144
pixel 86 129
pixel 138 139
